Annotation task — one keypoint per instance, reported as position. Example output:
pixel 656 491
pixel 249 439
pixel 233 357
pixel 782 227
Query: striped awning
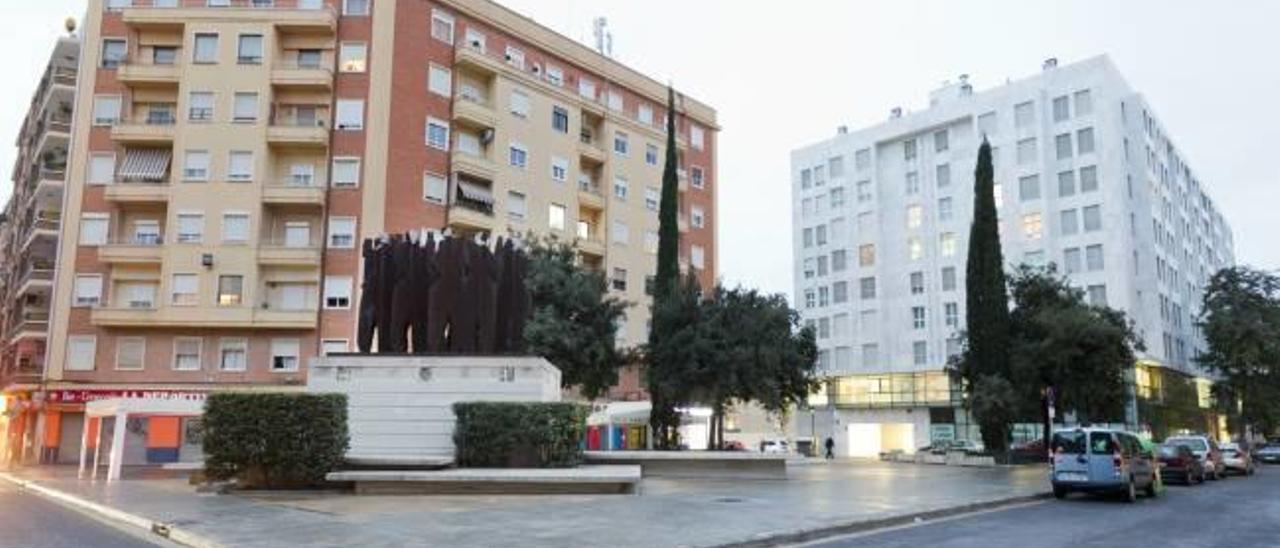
pixel 474 192
pixel 145 165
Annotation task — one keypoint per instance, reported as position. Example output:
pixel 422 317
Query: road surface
pixel 1236 512
pixel 28 520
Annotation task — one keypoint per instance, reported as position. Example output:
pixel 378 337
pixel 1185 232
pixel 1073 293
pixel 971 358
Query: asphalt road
pixel 1236 512
pixel 28 520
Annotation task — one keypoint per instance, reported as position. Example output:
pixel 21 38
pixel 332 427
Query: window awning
pixel 474 192
pixel 145 165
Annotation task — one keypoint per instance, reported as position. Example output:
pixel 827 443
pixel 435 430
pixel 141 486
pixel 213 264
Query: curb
pixel 134 521
pixel 810 535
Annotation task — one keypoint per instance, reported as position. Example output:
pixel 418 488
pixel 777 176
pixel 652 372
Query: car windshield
pixel 1068 442
pixel 1100 442
pixel 1169 450
pixel 1193 444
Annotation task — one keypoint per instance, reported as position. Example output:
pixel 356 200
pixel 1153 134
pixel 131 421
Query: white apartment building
pixel 1086 177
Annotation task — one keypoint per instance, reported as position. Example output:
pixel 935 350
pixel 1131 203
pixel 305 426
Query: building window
pixel 951 314
pixel 106 110
pixel 867 255
pixel 82 352
pixel 439 80
pixel 1034 258
pixel 697 217
pixel 250 49
pixel 240 166
pixel 941 141
pixel 945 212
pixel 433 188
pixel 515 57
pixel 345 172
pixel 355 7
pixel 233 354
pixel 917 317
pixel 948 278
pixel 1032 226
pixel 230 290
pixel 560 119
pixel 195 166
pixel 867 288
pixel 88 290
pixel 618 281
pixel 915 248
pixel 651 154
pixel 516 208
pixel 114 52
pixel 620 188
pixel 94 228
pixel 1066 184
pixel 1071 260
pixel 587 89
pixel 555 76
pixel 329 347
pixel 619 232
pixel 131 353
pixel 613 100
pixel 186 353
pixel 1026 151
pixel 1024 114
pixel 696 257
pixel 102 168
pixel 1084 141
pixel 337 292
pixel 1068 222
pixel 864 191
pixel 285 354
pixel 947 244
pixel 913 183
pixel 915 216
pixel 200 108
pixel 1063 145
pixel 1084 103
pixel 517 156
pixel 437 133
pixel 696 138
pixel 909 150
pixel 695 177
pixel 1088 179
pixel 920 353
pixel 1098 295
pixel 235 227
pixel 556 216
pixel 1061 108
pixel 349 114
pixel 987 124
pixel 190 228
pixel 620 143
pixel 1029 187
pixel 942 175
pixel 1092 218
pixel 184 290
pixel 442 26
pixel 1093 260
pixel 342 232
pixel 206 48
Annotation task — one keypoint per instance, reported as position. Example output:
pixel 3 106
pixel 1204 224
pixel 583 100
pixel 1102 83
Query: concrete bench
pixel 398 462
pixel 698 464
pixel 591 480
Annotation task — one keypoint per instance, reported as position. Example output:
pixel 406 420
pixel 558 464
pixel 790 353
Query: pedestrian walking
pixel 831 446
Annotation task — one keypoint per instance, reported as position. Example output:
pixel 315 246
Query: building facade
pixel 229 157
pixel 28 246
pixel 1086 178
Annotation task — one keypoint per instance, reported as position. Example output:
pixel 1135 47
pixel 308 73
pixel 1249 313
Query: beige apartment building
pixel 228 156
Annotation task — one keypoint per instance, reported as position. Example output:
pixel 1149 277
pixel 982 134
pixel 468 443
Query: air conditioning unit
pixel 486 136
pixel 206 260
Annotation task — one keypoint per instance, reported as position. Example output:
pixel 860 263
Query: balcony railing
pixel 257 4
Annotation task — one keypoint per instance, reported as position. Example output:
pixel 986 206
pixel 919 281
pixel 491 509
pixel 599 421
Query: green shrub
pixel 518 434
pixel 274 440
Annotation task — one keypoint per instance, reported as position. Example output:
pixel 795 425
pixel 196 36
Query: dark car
pixel 1177 462
pixel 1269 453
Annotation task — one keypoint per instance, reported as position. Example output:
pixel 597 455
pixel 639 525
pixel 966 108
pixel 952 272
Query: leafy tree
pixel 575 320
pixel 676 361
pixel 1083 352
pixel 663 419
pixel 1240 320
pixel 984 363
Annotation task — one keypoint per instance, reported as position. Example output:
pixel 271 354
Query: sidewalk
pixel 838 495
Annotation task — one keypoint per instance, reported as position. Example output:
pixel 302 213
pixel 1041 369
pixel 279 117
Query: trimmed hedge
pixel 519 434
pixel 274 440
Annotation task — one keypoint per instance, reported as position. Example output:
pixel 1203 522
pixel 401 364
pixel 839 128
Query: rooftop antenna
pixel 604 38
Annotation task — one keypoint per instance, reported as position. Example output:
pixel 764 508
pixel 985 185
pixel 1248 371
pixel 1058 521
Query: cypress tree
pixel 663 419
pixel 986 300
pixel 668 275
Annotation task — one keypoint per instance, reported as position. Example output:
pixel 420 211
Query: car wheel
pixel 1060 492
pixel 1151 489
pixel 1200 478
pixel 1130 493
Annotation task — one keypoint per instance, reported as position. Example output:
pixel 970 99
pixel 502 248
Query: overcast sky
pixel 785 75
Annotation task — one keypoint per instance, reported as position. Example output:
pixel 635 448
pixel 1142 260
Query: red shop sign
pixel 82 396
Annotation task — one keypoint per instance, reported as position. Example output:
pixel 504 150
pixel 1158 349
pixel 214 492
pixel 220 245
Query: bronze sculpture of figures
pixel 421 295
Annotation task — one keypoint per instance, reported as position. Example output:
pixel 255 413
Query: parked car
pixel 944 447
pixel 1178 462
pixel 775 446
pixel 734 445
pixel 1101 460
pixel 1206 450
pixel 1269 453
pixel 1235 458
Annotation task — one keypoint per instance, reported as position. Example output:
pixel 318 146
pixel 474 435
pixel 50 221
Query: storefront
pixel 57 421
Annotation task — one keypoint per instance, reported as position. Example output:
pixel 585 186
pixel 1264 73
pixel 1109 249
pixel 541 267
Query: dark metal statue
pixel 446 296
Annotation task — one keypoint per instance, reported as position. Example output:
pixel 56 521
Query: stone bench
pixel 698 464
pixel 587 479
pixel 398 462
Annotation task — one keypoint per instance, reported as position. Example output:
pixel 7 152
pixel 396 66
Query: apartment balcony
pixel 46 182
pixel 41 228
pixel 151 129
pixel 472 218
pixel 292 74
pixel 29 324
pixel 475 110
pixel 55 132
pixel 239 317
pixel 287 255
pixel 475 165
pixel 592 245
pixel 589 148
pixel 298 132
pixel 141 249
pixel 35 280
pixel 682 222
pixel 135 72
pixel 288 18
pixel 589 194
pixel 137 192
pixel 470 56
pixel 291 193
pixel 683 179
